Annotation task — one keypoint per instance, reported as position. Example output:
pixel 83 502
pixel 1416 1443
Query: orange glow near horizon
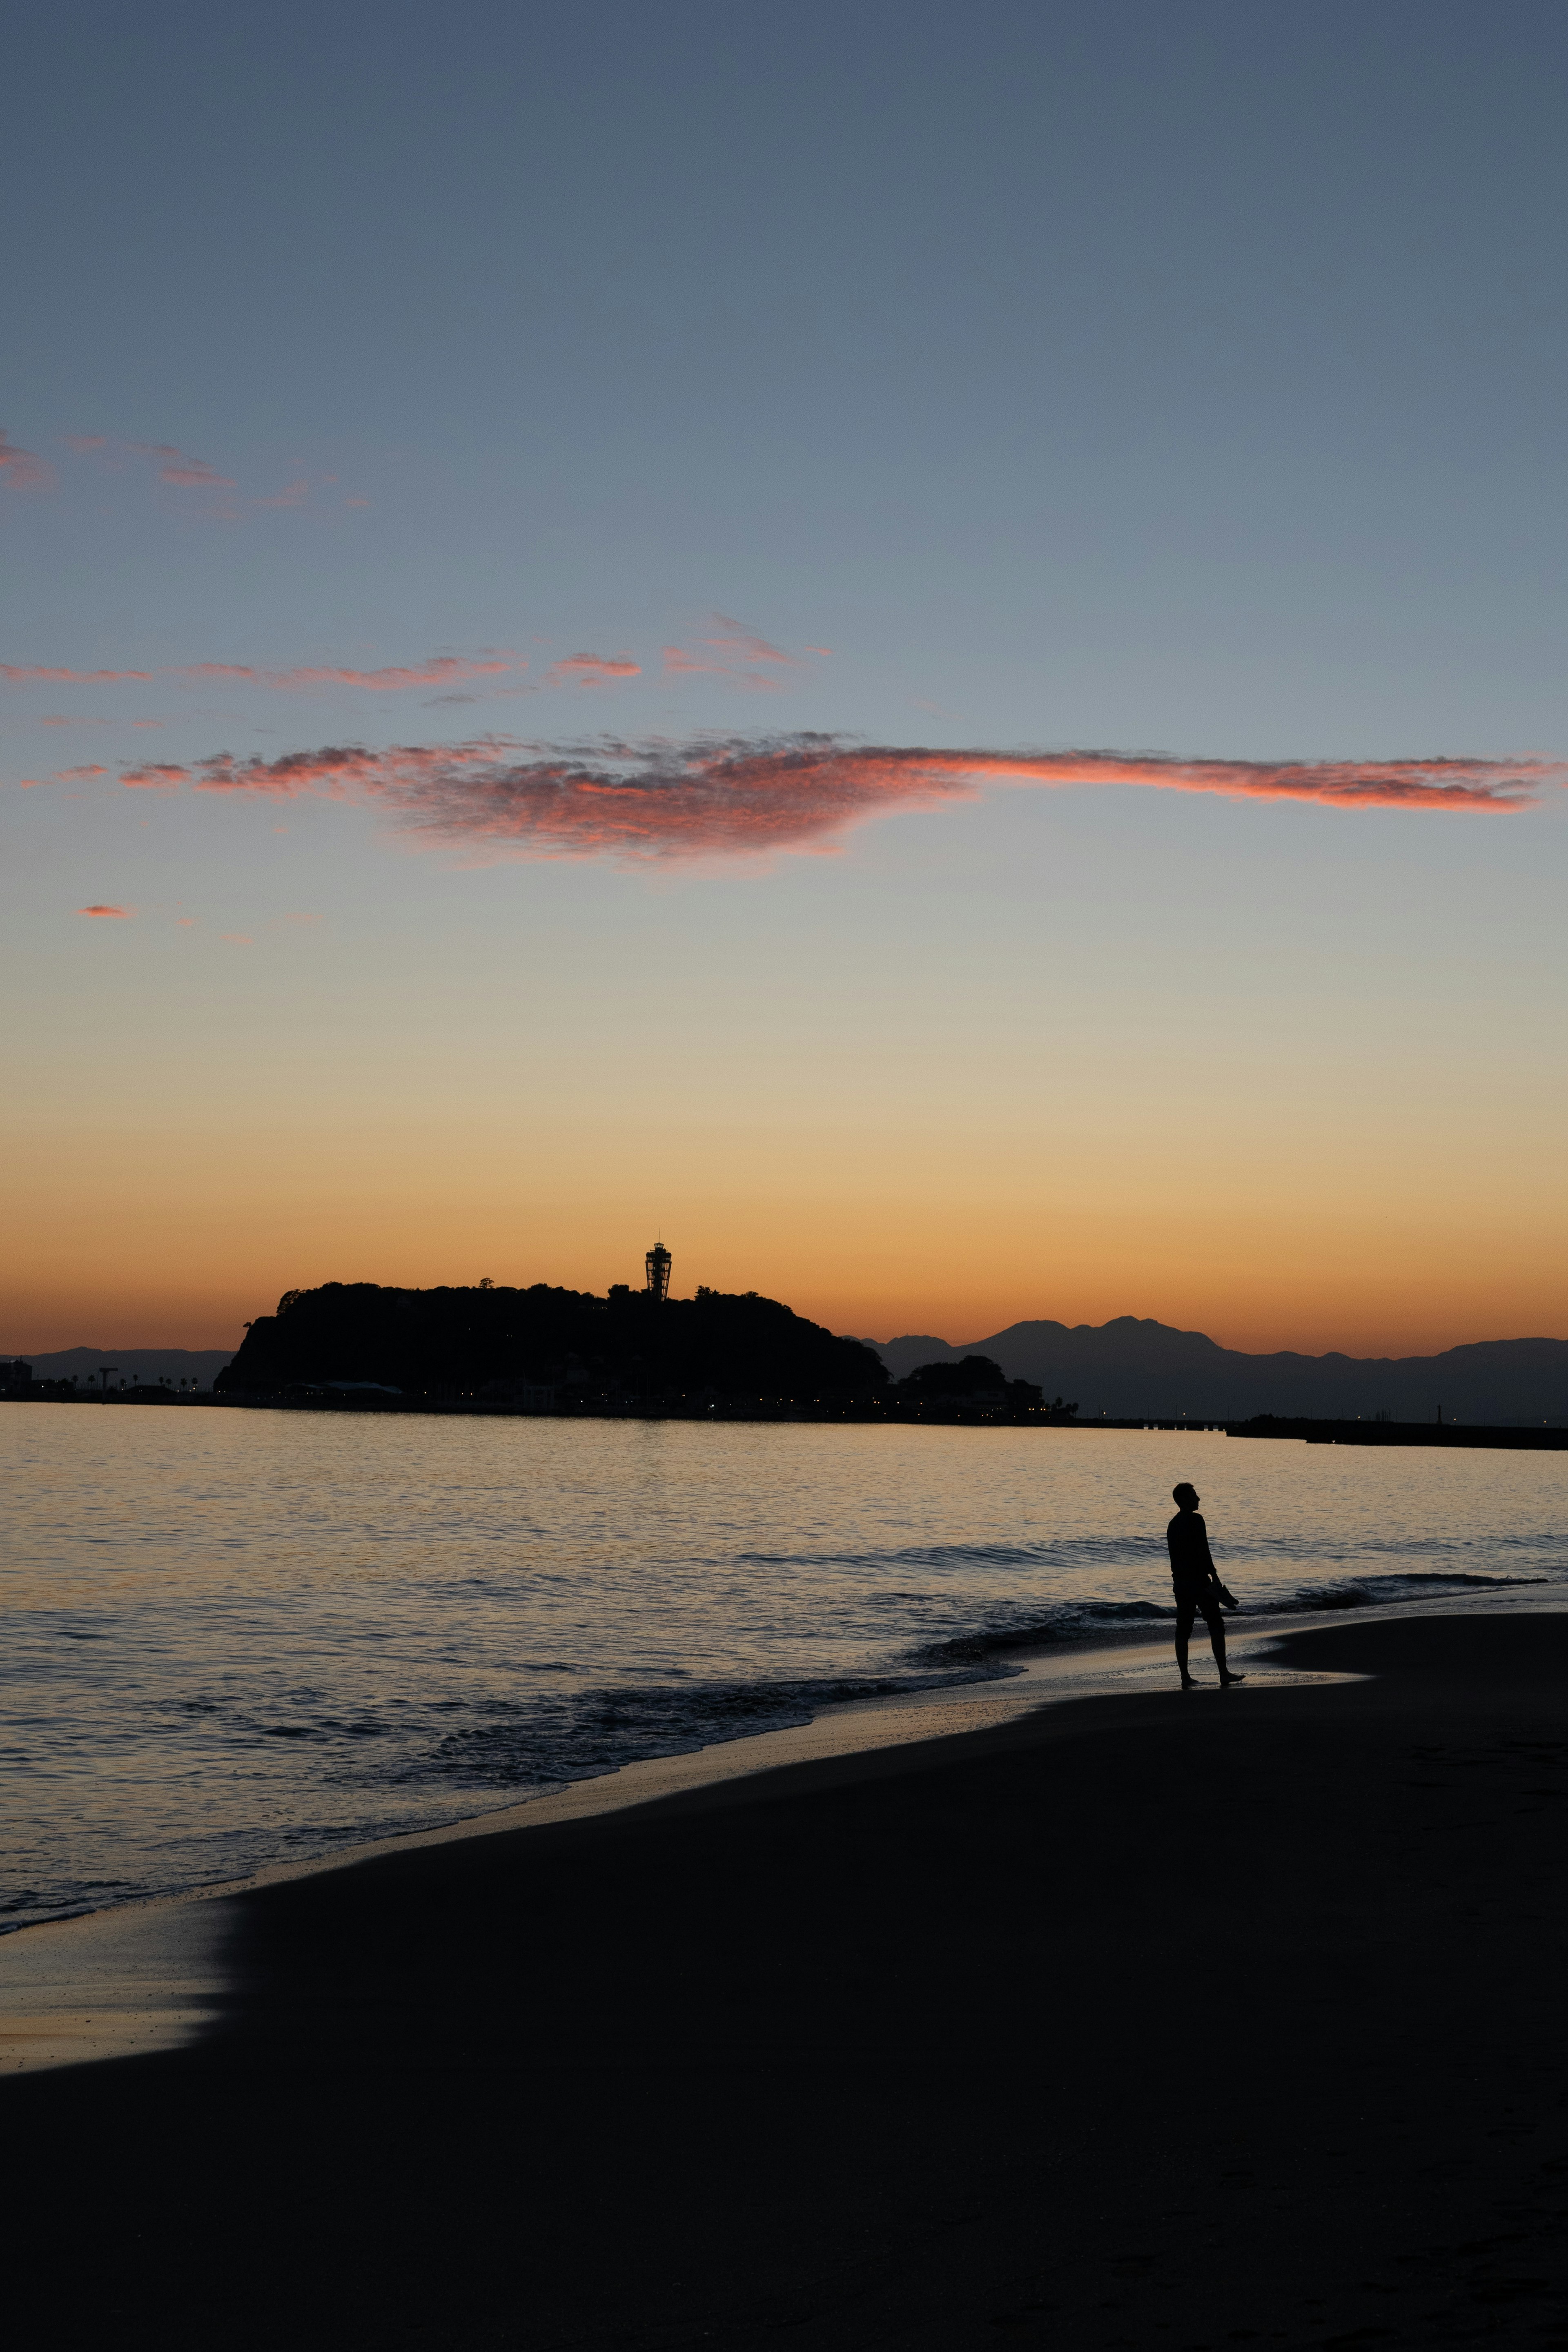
pixel 208 1243
pixel 1258 1067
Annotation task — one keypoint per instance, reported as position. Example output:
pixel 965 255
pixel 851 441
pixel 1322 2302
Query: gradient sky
pixel 559 570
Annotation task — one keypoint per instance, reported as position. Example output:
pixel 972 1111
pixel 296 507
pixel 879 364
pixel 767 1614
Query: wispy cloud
pixel 42 673
pixel 20 469
pixel 592 670
pixel 167 779
pixel 445 670
pixel 83 775
pixel 120 914
pixel 749 796
pixel 732 650
pixel 744 644
pixel 185 473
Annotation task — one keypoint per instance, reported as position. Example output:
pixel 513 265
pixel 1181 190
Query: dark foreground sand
pixel 1153 2021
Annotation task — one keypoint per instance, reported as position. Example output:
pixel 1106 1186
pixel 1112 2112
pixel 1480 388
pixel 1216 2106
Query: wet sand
pixel 1141 2020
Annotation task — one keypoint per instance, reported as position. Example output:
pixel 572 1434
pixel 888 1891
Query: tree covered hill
pixel 489 1340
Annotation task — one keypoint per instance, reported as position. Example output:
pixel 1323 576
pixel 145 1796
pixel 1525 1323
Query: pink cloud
pixel 745 644
pixel 592 670
pixel 120 914
pixel 185 472
pixel 66 776
pixel 154 779
pixel 19 469
pixel 39 673
pixel 78 718
pixel 740 797
pixel 733 651
pixel 446 669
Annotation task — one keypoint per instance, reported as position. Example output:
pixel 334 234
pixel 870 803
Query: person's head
pixel 1184 1497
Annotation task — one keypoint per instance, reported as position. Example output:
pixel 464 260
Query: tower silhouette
pixel 658 1261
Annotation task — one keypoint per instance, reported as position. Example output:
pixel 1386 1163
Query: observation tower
pixel 658 1263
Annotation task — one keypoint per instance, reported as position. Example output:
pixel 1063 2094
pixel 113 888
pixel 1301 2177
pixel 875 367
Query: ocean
pixel 237 1638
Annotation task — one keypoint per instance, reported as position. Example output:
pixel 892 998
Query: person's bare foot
pixel 1189 1682
pixel 1225 1680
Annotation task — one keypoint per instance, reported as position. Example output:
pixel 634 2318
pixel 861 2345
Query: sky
pixel 919 649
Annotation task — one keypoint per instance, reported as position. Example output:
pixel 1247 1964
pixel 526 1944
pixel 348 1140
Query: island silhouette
pixel 551 1349
pixel 547 1347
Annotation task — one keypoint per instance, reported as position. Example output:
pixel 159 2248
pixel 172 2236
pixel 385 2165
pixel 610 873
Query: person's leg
pixel 1186 1610
pixel 1216 1624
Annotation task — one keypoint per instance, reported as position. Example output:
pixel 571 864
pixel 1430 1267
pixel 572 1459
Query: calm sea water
pixel 233 1638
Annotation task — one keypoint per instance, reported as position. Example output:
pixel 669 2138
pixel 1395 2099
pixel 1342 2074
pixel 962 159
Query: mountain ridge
pixel 202 1364
pixel 1133 1365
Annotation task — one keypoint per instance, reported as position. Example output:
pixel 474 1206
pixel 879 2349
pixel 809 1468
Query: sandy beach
pixel 1141 2020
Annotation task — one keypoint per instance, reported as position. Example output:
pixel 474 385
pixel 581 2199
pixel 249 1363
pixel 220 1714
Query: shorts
pixel 1198 1601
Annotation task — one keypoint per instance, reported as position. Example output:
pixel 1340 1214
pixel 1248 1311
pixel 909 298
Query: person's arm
pixel 1215 1578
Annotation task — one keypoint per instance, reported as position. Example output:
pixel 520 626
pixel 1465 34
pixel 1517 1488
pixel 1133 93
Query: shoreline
pixel 1519 1437
pixel 149 1975
pixel 1135 2019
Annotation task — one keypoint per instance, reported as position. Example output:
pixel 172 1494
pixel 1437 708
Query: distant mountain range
pixel 202 1364
pixel 1132 1366
pixel 1125 1367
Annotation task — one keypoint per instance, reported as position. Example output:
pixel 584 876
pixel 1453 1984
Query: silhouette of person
pixel 1196 1581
